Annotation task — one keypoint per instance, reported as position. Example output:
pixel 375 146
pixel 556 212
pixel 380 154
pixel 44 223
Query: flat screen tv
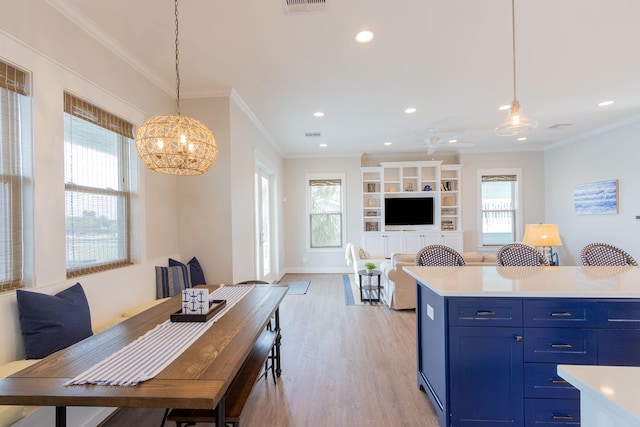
pixel 408 211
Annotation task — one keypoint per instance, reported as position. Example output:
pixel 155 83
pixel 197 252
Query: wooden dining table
pixel 197 379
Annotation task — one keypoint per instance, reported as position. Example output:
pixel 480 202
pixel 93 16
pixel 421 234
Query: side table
pixel 370 288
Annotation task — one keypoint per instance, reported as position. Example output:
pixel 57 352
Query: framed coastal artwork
pixel 596 198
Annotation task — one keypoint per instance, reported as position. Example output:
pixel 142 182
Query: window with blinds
pixel 325 213
pixel 15 176
pixel 499 195
pixel 97 188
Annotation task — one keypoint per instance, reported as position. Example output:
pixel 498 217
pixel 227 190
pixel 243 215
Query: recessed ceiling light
pixel 504 107
pixel 522 138
pixel 388 143
pixel 364 36
pixel 323 145
pixel 318 114
pixel 410 110
pixel 453 141
pixel 605 103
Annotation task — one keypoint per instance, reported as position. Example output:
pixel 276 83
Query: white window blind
pixel 15 176
pixel 325 213
pixel 499 201
pixel 97 188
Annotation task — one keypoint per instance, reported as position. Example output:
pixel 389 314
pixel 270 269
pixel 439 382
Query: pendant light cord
pixel 513 39
pixel 177 64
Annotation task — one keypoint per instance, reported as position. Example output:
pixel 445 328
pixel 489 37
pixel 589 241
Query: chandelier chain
pixel 177 62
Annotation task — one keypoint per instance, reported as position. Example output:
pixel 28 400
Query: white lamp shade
pixel 541 235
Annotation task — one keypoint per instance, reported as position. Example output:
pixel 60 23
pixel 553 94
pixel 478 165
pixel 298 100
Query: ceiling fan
pixel 435 138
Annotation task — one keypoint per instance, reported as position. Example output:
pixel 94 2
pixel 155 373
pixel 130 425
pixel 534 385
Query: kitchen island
pixel 490 338
pixel 608 394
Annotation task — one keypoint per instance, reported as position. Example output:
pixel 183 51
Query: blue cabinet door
pixel 432 349
pixel 486 377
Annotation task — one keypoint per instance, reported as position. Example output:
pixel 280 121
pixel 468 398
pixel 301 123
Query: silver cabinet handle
pixel 563 417
pixel 561 314
pixel 485 313
pixel 561 346
pixel 559 382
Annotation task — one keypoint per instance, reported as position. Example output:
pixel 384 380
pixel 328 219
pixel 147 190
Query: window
pixel 15 176
pixel 97 188
pixel 499 194
pixel 326 201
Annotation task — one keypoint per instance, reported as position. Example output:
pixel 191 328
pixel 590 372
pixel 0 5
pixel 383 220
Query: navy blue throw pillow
pixel 52 322
pixel 197 275
pixel 195 270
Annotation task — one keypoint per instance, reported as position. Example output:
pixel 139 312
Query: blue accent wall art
pixel 596 198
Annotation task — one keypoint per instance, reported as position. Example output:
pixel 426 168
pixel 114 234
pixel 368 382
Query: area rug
pixel 297 288
pixel 352 293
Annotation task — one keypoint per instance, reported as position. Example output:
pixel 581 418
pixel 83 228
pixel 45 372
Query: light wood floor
pixel 341 366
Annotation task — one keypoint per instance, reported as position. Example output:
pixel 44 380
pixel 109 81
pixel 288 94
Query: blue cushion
pixel 171 280
pixel 197 275
pixel 195 270
pixel 52 322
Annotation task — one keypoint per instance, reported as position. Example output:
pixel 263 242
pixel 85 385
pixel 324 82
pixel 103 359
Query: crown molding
pixel 620 123
pixel 87 25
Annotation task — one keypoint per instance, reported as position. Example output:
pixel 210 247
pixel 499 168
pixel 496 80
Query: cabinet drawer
pixel 541 380
pixel 485 312
pixel 553 345
pixel 619 347
pixel 560 313
pixel 551 412
pixel 620 314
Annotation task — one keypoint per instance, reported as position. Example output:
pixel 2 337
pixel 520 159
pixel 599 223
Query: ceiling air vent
pixel 312 134
pixel 304 6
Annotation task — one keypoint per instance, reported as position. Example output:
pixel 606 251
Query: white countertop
pixel 542 282
pixel 614 388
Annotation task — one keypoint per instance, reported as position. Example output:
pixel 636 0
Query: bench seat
pixel 239 389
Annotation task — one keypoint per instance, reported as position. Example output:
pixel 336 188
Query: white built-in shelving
pixel 411 179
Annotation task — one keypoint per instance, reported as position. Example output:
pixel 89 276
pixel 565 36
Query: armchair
pixel 400 289
pixel 357 257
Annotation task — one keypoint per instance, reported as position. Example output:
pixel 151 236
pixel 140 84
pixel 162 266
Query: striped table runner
pixel 148 355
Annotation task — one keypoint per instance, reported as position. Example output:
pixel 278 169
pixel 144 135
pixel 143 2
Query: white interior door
pixel 264 235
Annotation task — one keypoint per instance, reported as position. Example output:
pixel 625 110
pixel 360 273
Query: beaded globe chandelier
pixel 174 144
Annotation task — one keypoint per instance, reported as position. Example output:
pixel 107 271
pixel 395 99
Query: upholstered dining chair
pixel 604 254
pixel 517 254
pixel 439 255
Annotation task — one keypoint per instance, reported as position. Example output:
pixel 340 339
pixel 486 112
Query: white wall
pixel 298 257
pixel 174 216
pixel 249 146
pixel 216 209
pixel 533 197
pixel 204 201
pixel 60 57
pixel 609 155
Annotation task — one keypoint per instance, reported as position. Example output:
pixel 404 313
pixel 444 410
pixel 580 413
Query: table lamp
pixel 543 235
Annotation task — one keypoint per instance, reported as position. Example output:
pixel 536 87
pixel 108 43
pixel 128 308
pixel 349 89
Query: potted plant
pixel 369 266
